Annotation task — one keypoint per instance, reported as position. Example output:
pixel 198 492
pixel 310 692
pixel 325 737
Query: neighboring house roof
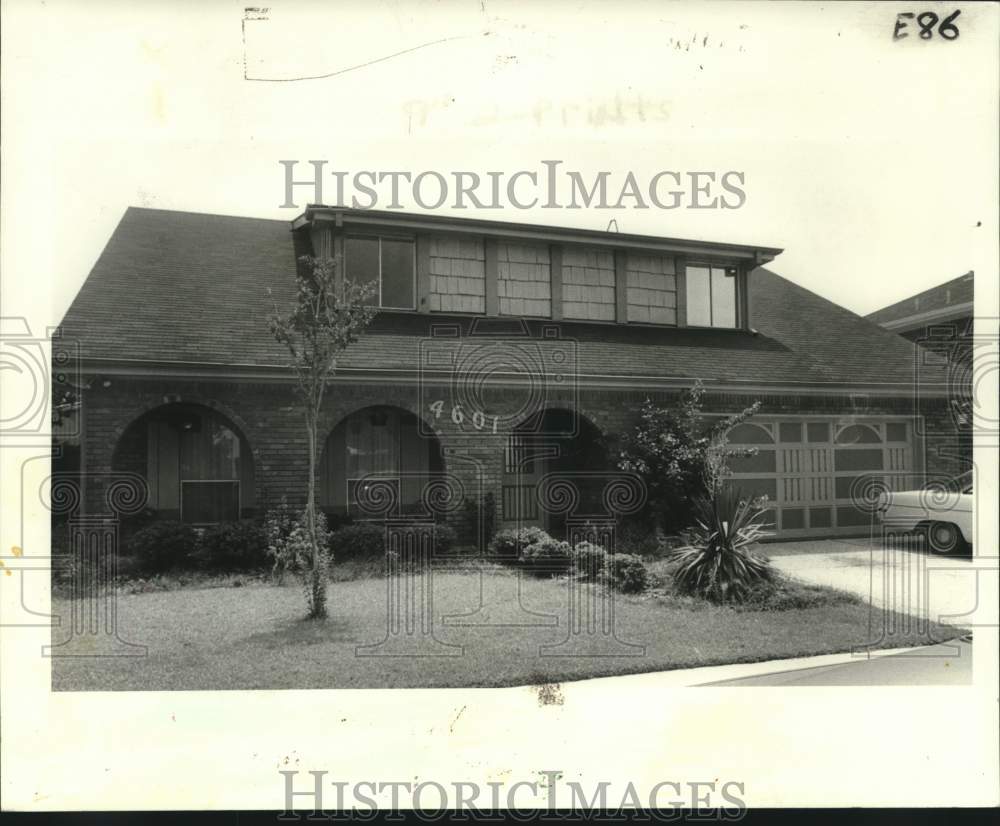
pixel 186 290
pixel 945 302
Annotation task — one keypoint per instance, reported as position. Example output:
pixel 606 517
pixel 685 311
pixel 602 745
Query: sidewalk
pixel 945 664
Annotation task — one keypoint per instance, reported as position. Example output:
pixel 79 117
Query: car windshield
pixel 962 484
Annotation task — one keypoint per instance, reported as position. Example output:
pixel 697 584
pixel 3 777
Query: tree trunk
pixel 318 573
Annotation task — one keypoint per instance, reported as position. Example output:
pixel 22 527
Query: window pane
pixel 791 431
pixel 361 256
pixel 793 519
pixel 860 459
pixel 749 434
pixel 699 311
pixel 820 518
pixel 397 274
pixel 208 502
pixel 372 444
pixel 856 434
pixel 723 298
pixel 819 432
pixel 895 432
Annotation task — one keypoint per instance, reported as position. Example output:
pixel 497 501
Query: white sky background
pixel 869 161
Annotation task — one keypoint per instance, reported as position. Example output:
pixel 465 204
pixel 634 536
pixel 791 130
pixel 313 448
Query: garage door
pixel 807 466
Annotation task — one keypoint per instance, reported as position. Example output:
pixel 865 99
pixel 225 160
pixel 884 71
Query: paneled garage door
pixel 807 466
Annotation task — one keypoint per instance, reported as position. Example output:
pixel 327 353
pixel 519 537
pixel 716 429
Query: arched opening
pixel 197 465
pixel 554 440
pixel 378 442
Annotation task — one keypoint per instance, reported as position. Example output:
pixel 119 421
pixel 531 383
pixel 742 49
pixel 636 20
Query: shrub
pixel 508 543
pixel 641 536
pixel 589 560
pixel 358 541
pixel 294 552
pixel 479 519
pixel 445 538
pixel 366 540
pixel 718 563
pixel 547 556
pixel 675 450
pixel 233 546
pixel 279 523
pixel 781 594
pixel 162 546
pixel 627 573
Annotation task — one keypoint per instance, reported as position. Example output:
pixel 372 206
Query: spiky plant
pixel 718 562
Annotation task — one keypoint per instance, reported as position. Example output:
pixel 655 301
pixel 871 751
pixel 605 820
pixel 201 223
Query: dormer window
pixel 711 296
pixel 389 263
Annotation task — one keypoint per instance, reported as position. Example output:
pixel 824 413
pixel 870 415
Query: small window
pixel 711 296
pixel 389 264
pixel 858 434
pixel 895 432
pixel 790 431
pixel 818 431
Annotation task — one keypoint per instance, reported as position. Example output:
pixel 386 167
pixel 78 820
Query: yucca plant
pixel 718 562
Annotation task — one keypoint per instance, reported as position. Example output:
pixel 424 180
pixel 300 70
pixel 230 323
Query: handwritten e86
pixel 927 25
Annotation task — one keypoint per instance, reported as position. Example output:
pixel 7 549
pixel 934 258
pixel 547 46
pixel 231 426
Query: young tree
pixel 681 455
pixel 328 315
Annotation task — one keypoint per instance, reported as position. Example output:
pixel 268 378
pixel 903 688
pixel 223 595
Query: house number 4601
pixel 925 25
pixel 478 418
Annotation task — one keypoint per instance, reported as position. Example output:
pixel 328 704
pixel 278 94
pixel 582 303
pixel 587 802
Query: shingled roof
pixel 190 289
pixel 956 296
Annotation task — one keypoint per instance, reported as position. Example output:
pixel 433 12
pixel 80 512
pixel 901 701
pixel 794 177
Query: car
pixel 941 512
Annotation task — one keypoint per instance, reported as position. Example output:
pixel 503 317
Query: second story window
pixel 711 296
pixel 388 263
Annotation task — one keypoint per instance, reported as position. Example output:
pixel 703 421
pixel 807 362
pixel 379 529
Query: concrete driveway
pixel 908 580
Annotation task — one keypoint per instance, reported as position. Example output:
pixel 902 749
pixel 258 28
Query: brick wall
pixel 269 419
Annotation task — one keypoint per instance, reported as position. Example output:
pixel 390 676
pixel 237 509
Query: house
pixel 940 321
pixel 946 308
pixel 503 353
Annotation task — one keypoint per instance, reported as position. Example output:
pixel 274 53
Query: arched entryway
pixel 379 442
pixel 198 466
pixel 554 440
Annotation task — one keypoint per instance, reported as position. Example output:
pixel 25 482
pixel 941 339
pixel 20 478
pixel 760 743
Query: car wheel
pixel 944 538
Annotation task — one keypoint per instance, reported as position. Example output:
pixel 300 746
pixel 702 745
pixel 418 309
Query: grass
pixel 254 637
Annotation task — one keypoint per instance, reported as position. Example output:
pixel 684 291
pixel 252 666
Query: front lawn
pixel 254 637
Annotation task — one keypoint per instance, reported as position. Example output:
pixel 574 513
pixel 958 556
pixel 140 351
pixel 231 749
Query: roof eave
pixel 343 216
pixel 142 369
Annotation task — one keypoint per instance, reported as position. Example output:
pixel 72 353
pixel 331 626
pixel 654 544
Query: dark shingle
pixel 184 287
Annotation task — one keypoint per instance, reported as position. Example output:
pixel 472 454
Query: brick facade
pixel 267 416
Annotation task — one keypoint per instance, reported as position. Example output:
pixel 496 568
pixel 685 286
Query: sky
pixel 870 161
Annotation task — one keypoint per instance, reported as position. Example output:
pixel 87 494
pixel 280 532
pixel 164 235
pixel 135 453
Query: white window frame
pixel 380 237
pixel 737 296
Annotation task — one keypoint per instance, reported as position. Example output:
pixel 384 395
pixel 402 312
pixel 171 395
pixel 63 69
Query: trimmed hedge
pixel 365 540
pixel 589 560
pixel 627 573
pixel 162 546
pixel 508 544
pixel 233 546
pixel 547 556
